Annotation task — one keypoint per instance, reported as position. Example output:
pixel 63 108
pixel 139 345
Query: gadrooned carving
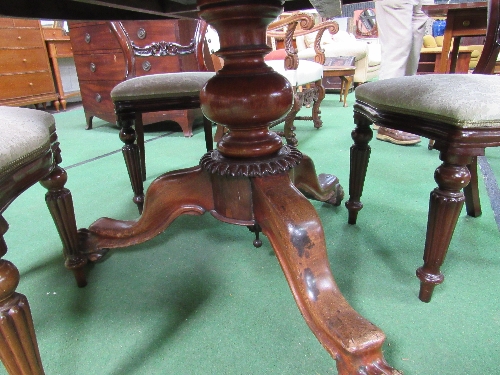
pixel 286 158
pixel 163 49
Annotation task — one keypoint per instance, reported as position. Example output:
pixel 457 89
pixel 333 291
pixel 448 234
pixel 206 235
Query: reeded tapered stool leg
pixel 360 155
pixel 446 202
pixel 18 347
pixel 60 204
pixel 132 156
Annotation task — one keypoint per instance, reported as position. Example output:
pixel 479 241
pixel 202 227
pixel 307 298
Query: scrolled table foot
pixel 296 235
pixel 324 187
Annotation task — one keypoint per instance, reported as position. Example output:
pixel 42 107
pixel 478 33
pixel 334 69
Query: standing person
pixel 401 27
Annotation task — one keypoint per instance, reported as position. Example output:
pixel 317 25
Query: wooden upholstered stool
pixel 29 153
pixel 461 113
pixel 153 93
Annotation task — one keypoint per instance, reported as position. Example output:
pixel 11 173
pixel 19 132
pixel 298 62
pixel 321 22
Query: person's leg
pixel 396 36
pixel 419 19
pixel 394 20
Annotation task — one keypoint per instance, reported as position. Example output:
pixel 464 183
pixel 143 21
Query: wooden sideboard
pixel 25 73
pixel 107 53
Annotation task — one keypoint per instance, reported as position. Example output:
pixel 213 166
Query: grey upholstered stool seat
pixel 158 86
pixel 25 135
pixel 438 97
pixel 152 93
pixel 29 153
pixel 461 112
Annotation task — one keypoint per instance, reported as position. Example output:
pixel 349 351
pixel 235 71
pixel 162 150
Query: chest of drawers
pixel 107 53
pixel 25 73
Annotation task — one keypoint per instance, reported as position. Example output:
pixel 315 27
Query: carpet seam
pixel 112 152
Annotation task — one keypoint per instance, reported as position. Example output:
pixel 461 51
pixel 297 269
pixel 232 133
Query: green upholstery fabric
pixel 446 98
pixel 25 135
pixel 161 86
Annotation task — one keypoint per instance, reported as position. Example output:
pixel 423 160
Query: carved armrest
pixel 286 29
pixel 333 28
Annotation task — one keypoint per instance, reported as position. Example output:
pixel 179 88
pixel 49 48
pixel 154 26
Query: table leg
pixel 346 82
pixel 295 232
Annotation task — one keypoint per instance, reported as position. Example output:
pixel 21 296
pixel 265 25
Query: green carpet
pixel 200 299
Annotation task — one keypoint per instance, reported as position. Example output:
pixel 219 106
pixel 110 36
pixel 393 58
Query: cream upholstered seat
pixel 29 153
pixel 152 93
pixel 461 113
pixel 309 71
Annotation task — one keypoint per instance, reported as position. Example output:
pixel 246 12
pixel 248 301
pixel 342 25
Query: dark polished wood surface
pixel 441 10
pixel 113 10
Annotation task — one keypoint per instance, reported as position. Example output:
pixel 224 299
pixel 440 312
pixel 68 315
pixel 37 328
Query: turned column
pixel 246 95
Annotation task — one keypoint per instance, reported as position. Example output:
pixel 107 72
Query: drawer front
pixel 54 33
pixel 92 38
pixel 19 85
pixel 23 60
pixel 18 22
pixel 146 32
pixel 154 65
pixel 20 38
pixel 96 98
pixel 472 23
pixel 108 66
pixel 63 49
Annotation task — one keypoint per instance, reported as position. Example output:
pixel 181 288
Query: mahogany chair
pixel 153 93
pixel 29 153
pixel 463 120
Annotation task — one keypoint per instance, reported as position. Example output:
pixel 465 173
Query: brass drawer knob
pixel 92 67
pixel 146 66
pixel 466 23
pixel 98 98
pixel 87 37
pixel 141 33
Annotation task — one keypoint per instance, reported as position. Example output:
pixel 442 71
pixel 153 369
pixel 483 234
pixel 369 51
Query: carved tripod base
pixel 272 203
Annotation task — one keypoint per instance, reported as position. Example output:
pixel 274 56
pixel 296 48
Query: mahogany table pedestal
pixel 247 181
